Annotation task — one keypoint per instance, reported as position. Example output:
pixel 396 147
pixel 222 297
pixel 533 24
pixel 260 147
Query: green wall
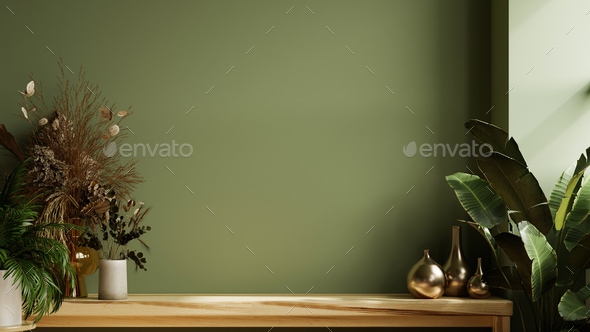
pixel 298 149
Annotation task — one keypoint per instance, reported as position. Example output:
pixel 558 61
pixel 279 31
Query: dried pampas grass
pixel 71 136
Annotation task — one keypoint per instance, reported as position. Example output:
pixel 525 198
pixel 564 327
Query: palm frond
pixel 40 265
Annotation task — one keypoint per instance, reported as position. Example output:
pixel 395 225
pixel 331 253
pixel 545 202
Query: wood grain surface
pixel 280 310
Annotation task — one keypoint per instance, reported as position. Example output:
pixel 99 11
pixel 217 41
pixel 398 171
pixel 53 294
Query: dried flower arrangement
pixel 67 147
pixel 70 169
pixel 111 235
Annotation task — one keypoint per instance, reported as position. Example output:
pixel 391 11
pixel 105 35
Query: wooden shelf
pixel 25 326
pixel 282 310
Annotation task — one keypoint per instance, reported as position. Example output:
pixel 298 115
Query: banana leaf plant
pixel 546 241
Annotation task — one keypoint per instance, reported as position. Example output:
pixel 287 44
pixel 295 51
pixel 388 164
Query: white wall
pixel 549 108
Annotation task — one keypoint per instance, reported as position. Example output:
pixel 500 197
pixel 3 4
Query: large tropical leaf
pixel 581 207
pixel 574 234
pixel 583 162
pixel 497 138
pixel 544 259
pixel 497 278
pixel 559 189
pixel 514 249
pixel 485 232
pixel 580 254
pixel 490 238
pixel 519 190
pixel 572 308
pixel 571 191
pixel 477 197
pixel 584 292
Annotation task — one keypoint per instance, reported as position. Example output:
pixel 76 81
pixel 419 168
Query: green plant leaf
pixel 496 137
pixel 568 200
pixel 490 237
pixel 544 259
pixel 494 278
pixel 477 197
pixel 574 234
pixel 514 249
pixel 584 292
pixel 571 191
pixel 484 232
pixel 559 189
pixel 577 220
pixel 581 206
pixel 39 265
pixel 580 254
pixel 572 308
pixel 583 162
pixel 519 190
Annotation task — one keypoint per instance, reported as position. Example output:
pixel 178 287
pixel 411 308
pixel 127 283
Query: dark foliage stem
pixel 580 273
pixel 560 292
pixel 507 282
pixel 536 318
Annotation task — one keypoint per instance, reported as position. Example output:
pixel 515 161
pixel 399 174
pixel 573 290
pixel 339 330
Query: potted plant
pixel 111 236
pixel 72 145
pixel 546 241
pixel 32 267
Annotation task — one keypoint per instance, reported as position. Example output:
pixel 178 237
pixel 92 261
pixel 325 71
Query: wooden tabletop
pixel 25 326
pixel 277 310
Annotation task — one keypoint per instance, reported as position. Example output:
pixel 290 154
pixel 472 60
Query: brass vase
pixel 87 260
pixel 457 270
pixel 71 239
pixel 476 288
pixel 426 279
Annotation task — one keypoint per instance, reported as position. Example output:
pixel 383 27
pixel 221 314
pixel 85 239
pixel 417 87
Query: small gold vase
pixel 457 270
pixel 87 260
pixel 426 279
pixel 476 288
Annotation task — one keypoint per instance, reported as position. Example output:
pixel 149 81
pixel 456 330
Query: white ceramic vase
pixel 11 298
pixel 112 279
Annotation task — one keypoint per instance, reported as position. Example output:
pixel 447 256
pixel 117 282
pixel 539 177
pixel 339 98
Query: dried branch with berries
pixel 111 233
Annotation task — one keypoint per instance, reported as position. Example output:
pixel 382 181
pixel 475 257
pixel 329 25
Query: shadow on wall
pixel 557 123
pixel 522 9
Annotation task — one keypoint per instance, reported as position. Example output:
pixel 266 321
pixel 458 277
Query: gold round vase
pixel 86 263
pixel 426 279
pixel 476 288
pixel 457 270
